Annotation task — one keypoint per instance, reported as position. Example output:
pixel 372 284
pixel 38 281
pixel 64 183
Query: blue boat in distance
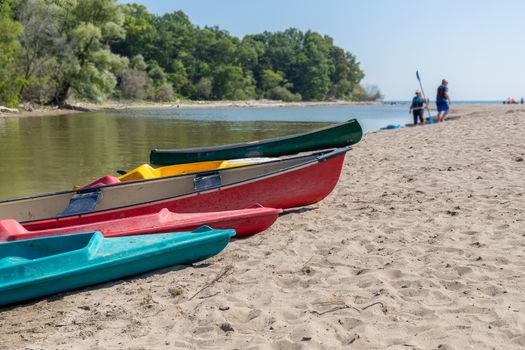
pixel 42 266
pixel 391 126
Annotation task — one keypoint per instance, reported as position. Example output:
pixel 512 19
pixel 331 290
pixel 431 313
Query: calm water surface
pixel 45 154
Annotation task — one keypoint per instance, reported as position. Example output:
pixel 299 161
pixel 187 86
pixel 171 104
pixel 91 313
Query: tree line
pixel 96 50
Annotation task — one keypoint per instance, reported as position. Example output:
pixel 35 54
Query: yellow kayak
pixel 146 171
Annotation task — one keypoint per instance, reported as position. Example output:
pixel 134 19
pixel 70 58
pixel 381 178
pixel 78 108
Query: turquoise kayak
pixel 37 267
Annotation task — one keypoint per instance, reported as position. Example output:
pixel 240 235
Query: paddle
pixel 423 93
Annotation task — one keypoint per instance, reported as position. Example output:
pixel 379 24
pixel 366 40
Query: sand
pixel 420 246
pixel 187 104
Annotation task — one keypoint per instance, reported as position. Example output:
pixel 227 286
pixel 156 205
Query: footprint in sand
pixel 491 291
pixel 463 270
pixel 453 285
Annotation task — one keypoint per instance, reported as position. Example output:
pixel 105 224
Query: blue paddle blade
pixel 417 75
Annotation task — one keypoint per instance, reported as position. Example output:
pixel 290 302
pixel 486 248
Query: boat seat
pixel 206 182
pixel 81 203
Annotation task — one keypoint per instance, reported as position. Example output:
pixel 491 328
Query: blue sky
pixel 476 45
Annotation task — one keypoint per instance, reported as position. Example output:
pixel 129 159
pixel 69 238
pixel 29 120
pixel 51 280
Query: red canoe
pixel 246 222
pixel 284 183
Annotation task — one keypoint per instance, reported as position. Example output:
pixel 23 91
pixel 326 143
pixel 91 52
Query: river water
pixel 52 153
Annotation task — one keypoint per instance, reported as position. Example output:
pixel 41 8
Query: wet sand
pixel 420 246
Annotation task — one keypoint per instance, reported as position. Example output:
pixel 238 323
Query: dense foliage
pixel 51 50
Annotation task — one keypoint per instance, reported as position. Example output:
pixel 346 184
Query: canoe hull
pixel 339 135
pixel 103 260
pixel 292 188
pixel 245 222
pixel 283 183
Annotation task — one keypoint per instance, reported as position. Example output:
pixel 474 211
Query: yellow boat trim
pixel 146 171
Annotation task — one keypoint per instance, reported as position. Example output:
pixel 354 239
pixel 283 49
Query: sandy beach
pixel 420 246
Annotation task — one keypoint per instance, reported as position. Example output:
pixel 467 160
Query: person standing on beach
pixel 417 107
pixel 442 100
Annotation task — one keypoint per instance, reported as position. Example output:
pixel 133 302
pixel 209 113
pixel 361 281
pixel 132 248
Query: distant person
pixel 417 108
pixel 521 101
pixel 442 100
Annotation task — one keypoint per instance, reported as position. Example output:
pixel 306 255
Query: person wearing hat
pixel 417 107
pixel 442 101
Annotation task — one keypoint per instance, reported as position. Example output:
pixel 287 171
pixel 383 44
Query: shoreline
pixel 39 112
pixel 130 105
pixel 228 104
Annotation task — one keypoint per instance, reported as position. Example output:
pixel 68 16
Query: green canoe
pixel 339 135
pixel 42 266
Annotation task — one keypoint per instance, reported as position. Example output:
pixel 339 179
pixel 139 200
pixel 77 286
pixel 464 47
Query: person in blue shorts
pixel 442 101
pixel 417 107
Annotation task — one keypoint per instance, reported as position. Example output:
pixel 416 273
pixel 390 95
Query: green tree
pixel 271 79
pixel 231 83
pixel 138 63
pixel 314 67
pixel 176 35
pixel 164 93
pixel 346 75
pixel 282 52
pixel 160 89
pixel 87 64
pixel 40 44
pixel 178 78
pixel 283 94
pixel 10 50
pixel 141 33
pixel 275 87
pixel 203 89
pixel 156 73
